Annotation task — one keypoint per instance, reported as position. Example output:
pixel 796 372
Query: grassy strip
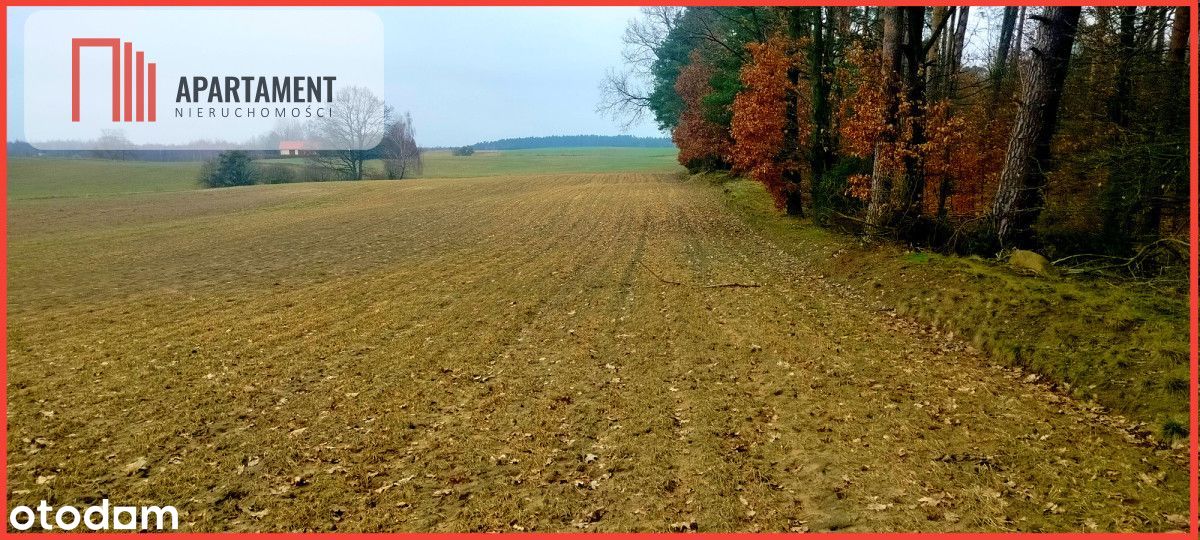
pixel 441 164
pixel 51 178
pixel 1122 345
pixel 55 177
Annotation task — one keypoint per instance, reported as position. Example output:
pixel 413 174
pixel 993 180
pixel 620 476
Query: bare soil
pixel 604 352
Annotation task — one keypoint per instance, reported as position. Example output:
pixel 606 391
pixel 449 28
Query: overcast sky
pixel 471 74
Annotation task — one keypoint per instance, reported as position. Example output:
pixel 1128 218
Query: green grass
pixel 440 164
pixel 1122 344
pixel 40 178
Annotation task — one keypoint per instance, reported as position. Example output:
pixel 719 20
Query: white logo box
pixel 192 42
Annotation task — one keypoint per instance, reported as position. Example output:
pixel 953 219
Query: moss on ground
pixel 1123 345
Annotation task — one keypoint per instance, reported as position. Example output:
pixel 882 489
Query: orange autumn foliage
pixel 863 123
pixel 960 152
pixel 860 117
pixel 702 143
pixel 760 117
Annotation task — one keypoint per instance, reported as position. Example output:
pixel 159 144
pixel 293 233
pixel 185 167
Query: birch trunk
pixel 879 210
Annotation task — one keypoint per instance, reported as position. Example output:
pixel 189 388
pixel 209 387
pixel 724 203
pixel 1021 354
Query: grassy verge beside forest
pixel 1123 345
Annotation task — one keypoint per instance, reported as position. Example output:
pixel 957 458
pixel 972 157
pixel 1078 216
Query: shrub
pixel 275 173
pixel 231 168
pixel 463 151
pixel 832 192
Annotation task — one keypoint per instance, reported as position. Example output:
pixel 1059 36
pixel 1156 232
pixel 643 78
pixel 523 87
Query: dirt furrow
pixel 519 353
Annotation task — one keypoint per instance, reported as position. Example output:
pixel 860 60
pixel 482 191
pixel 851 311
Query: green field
pixel 562 340
pixel 35 178
pixel 440 164
pixel 40 178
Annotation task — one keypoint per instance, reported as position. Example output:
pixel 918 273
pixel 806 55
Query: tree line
pixel 574 141
pixel 1063 129
pixel 367 129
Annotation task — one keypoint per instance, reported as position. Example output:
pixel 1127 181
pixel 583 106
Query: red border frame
pixel 1193 289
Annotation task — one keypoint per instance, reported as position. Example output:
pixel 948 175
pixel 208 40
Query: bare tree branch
pixel 354 126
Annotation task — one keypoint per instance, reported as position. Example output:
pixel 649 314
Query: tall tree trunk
pixel 877 22
pixel 1177 71
pixel 1119 220
pixel 1148 28
pixel 960 39
pixel 1177 51
pixel 935 68
pixel 1159 26
pixel 1000 66
pixel 821 154
pixel 1118 106
pixel 1021 195
pixel 879 209
pixel 794 203
pixel 943 91
pixel 936 82
pixel 1098 81
pixel 836 53
pixel 840 19
pixel 914 174
pixel 1173 119
pixel 1018 40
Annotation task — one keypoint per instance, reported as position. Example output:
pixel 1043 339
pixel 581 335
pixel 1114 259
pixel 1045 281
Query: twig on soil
pixel 734 285
pixel 865 222
pixel 655 274
pixel 716 286
pixel 1131 266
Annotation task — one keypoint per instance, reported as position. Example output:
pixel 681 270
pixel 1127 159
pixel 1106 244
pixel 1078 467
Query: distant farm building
pixel 295 148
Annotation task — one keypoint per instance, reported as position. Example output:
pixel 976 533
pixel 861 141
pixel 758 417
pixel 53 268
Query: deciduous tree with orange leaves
pixel 894 132
pixel 760 119
pixel 703 144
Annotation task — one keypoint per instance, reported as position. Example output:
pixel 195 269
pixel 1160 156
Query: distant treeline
pixel 24 149
pixel 575 141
